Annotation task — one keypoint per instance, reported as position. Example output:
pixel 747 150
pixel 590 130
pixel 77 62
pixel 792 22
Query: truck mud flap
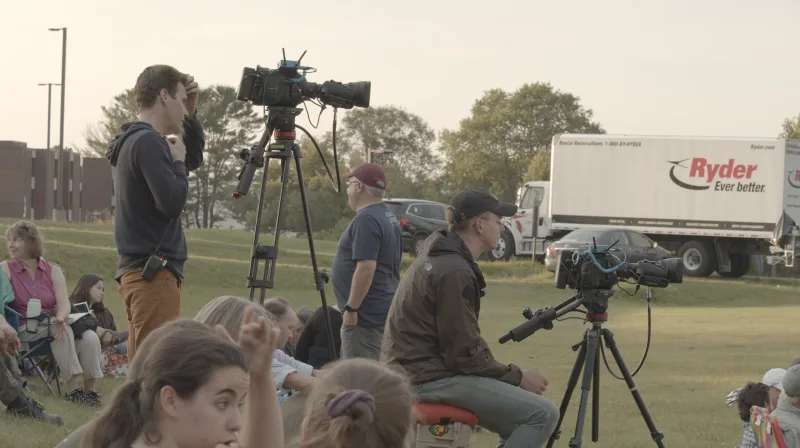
pixel 723 256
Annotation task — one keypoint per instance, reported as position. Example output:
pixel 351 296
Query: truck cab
pixel 533 200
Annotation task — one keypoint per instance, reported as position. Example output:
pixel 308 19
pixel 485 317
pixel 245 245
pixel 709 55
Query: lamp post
pixel 59 187
pixel 48 194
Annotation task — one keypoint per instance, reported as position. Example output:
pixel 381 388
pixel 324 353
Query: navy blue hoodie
pixel 151 192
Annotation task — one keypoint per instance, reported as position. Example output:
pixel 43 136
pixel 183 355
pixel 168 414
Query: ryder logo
pixel 794 178
pixel 698 174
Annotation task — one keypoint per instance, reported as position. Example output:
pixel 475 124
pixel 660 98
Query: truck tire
pixel 740 265
pixel 699 259
pixel 505 248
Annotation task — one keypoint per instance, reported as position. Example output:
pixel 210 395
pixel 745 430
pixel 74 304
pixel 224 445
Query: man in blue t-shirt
pixel 366 268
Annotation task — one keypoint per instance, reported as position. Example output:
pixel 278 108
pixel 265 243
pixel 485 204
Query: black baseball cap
pixel 470 203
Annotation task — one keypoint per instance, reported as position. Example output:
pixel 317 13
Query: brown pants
pixel 148 305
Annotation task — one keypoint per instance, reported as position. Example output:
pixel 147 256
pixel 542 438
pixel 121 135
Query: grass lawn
pixel 709 336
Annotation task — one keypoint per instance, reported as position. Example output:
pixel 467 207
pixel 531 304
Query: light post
pixel 59 187
pixel 48 196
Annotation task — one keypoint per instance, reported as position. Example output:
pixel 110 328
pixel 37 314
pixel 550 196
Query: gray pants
pixel 361 342
pixel 520 418
pixel 10 380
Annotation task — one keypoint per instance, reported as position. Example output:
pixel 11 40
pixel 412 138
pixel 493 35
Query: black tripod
pixel 596 303
pixel 281 121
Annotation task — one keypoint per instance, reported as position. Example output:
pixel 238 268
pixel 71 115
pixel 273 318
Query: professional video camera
pixel 602 269
pixel 286 86
pixel 280 91
pixel 592 273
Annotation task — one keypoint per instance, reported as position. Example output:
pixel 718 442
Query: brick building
pixel 24 184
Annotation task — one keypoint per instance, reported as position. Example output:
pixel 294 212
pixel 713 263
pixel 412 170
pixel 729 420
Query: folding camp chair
pixel 36 352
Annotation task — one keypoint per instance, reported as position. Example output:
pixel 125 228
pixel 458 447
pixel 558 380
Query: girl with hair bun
pixel 358 403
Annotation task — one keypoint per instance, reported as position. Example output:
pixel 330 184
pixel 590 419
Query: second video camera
pixel 596 269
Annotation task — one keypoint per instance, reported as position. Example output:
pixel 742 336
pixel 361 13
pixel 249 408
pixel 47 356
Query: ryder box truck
pixel 712 201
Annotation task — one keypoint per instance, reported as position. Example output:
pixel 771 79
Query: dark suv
pixel 418 219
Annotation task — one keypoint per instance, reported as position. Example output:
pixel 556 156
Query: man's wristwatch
pixel 348 308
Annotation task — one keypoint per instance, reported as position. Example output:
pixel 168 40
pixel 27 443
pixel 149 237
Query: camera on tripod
pixel 287 86
pixel 592 273
pixel 281 91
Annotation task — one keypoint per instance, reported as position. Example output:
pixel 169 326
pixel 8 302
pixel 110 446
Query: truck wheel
pixel 740 265
pixel 505 247
pixel 699 259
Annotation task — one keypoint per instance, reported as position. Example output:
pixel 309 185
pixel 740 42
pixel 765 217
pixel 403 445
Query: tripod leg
pixel 317 277
pixel 259 211
pixel 608 338
pixel 592 341
pixel 573 381
pixel 270 263
pixel 596 397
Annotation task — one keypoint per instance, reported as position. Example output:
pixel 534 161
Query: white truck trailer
pixel 712 201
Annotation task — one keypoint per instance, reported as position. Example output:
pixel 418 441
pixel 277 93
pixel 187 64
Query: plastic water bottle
pixel 34 311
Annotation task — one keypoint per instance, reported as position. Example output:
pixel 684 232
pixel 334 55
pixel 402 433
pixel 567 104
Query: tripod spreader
pixel 539 319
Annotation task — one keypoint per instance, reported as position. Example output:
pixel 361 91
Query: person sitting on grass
pixel 31 278
pixel 358 403
pixel 90 288
pixel 312 346
pixel 193 383
pixel 772 379
pixel 752 394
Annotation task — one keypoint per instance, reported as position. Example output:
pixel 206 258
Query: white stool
pixel 442 426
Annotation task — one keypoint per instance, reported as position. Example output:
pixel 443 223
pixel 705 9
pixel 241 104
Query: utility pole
pixel 60 188
pixel 48 194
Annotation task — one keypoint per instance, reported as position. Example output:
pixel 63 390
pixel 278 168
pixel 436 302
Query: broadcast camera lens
pixel 674 268
pixel 361 91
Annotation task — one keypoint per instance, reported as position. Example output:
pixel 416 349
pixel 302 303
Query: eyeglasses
pixel 499 222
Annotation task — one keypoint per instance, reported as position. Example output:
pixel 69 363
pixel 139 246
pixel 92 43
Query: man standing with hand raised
pixel 151 159
pixel 432 330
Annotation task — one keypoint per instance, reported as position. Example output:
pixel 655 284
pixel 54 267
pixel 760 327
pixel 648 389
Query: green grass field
pixel 709 336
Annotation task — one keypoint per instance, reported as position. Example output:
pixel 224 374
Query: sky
pixel 657 67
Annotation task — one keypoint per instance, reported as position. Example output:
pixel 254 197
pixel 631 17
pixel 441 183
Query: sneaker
pixel 35 411
pixel 80 396
pixel 93 398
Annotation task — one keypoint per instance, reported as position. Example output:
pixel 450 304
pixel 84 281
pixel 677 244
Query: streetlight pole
pixel 48 194
pixel 59 198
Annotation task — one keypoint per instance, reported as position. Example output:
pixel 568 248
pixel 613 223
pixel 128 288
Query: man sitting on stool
pixel 432 330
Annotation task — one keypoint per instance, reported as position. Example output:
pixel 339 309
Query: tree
pixel 122 109
pixel 229 126
pixel 493 147
pixel 791 128
pixel 539 168
pixel 389 128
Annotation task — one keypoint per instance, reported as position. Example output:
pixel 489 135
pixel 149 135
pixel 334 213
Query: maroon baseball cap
pixel 370 174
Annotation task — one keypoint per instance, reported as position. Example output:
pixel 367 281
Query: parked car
pixel 418 219
pixel 637 247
